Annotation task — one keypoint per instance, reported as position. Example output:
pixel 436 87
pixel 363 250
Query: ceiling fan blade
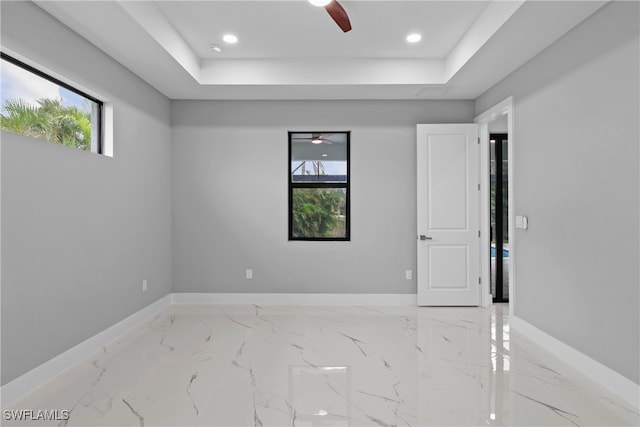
pixel 339 15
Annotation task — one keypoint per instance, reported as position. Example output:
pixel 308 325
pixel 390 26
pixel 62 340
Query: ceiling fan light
pixel 320 3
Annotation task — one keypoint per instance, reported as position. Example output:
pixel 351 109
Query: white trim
pixel 502 108
pixel 39 375
pixel 616 383
pixel 294 299
pixel 485 214
pixel 487 299
pixel 507 104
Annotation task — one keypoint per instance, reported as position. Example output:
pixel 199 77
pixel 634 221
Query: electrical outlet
pixel 248 274
pixel 408 275
pixel 144 285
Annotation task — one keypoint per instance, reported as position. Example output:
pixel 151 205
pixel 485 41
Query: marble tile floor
pixel 325 366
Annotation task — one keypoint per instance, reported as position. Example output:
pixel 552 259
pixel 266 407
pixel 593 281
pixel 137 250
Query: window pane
pixel 319 157
pixel 319 213
pixel 37 107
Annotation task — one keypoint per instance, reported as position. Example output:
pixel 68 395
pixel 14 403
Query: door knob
pixel 423 237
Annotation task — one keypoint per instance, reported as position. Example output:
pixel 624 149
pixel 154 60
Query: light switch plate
pixel 518 221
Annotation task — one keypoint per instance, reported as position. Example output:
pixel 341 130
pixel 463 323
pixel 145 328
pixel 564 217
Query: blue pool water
pixel 505 252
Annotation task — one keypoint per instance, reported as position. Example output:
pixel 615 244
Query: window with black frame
pixel 37 105
pixel 319 185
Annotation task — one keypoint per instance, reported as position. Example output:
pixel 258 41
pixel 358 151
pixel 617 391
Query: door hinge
pixel 479 280
pixel 478 187
pixel 478 233
pixel 478 140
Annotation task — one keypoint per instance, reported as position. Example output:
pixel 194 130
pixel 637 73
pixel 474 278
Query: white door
pixel 448 215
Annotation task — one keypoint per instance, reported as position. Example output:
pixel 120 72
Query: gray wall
pixel 80 231
pixel 576 177
pixel 230 195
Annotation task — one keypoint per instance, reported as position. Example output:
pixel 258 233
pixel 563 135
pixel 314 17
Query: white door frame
pixel 483 120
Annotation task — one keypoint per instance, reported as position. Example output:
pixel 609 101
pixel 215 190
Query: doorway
pixel 499 203
pixel 452 275
pixel 448 241
pixel 497 120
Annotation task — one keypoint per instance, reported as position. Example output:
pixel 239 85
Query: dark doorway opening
pixel 499 156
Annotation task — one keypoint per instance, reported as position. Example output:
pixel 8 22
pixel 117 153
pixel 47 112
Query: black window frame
pixel 329 185
pixel 100 104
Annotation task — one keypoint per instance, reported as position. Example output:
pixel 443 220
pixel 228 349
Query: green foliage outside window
pixel 49 120
pixel 319 212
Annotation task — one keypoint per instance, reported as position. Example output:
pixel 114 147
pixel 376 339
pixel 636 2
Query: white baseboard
pixel 487 300
pixel 616 383
pixel 39 375
pixel 295 299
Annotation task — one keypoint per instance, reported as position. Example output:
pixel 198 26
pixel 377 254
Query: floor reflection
pixel 500 364
pixel 320 395
pixel 326 366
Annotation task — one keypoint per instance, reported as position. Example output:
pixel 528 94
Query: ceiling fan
pixel 316 138
pixel 336 11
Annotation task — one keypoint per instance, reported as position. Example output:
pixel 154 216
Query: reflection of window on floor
pixel 37 105
pixel 319 185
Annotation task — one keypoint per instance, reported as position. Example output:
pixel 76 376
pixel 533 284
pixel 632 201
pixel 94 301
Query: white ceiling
pixel 289 49
pixel 296 29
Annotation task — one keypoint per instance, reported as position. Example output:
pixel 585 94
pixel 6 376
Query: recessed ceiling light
pixel 324 155
pixel 230 38
pixel 214 47
pixel 414 38
pixel 320 3
pixel 316 141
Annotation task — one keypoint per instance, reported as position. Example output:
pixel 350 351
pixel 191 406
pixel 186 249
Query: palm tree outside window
pixel 40 106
